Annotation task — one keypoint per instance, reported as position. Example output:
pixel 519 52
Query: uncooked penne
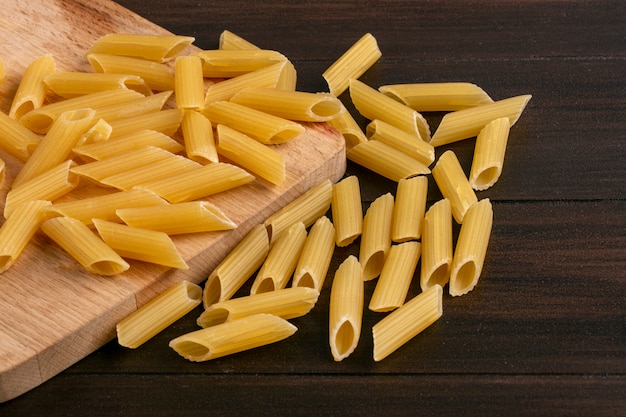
pixel 347 210
pixel 401 140
pixel 250 154
pixel 157 314
pixel 352 64
pixel 68 84
pixel 471 248
pixel 346 308
pixel 406 322
pixel 444 96
pixel 489 154
pixel 287 303
pixel 138 106
pixel 158 76
pixel 230 41
pixel 198 137
pixel 141 244
pixel 237 266
pixel 409 209
pixel 84 246
pixel 16 139
pixel 230 63
pixel 395 278
pixel 281 260
pixel 453 184
pixel 159 48
pixel 267 77
pixel 99 132
pixel 376 236
pixel 317 252
pixel 31 91
pixel 164 121
pixel 349 128
pixel 386 160
pixel 179 218
pixel 436 245
pixel 188 82
pixel 232 337
pixel 467 123
pixel 288 78
pixel 17 231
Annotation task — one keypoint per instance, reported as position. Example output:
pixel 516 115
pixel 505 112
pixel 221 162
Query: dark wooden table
pixel 544 332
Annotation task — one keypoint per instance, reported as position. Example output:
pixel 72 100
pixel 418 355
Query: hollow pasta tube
pixel 489 154
pixel 376 236
pixel 436 245
pixel 346 308
pixel 409 208
pixel 347 210
pixel 453 184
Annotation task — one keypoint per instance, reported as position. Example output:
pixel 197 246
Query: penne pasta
pixel 489 154
pixel 157 314
pixel 347 211
pixel 286 303
pixel 376 236
pixel 267 77
pixel 395 278
pixel 228 40
pixel 230 63
pixel 188 82
pixel 263 127
pixel 467 123
pixel 164 121
pixel 408 143
pixel 349 128
pixel 445 96
pixel 386 160
pixel 307 208
pixel 317 252
pixel 140 244
pixel 16 139
pixel 198 136
pixel 374 105
pixel 17 231
pixel 281 260
pixel 237 267
pixel 409 208
pixel 232 337
pixel 352 64
pixel 158 76
pixel 99 132
pixel 31 91
pixel 406 322
pixel 436 245
pixel 471 248
pixel 84 246
pixel 346 308
pixel 158 48
pixel 291 105
pixel 250 154
pixel 141 105
pixel 288 77
pixel 453 184
pixel 68 84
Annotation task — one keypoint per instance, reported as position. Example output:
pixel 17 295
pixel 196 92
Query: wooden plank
pixel 48 304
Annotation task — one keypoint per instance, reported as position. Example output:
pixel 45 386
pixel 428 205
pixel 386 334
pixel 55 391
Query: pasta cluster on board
pixel 112 128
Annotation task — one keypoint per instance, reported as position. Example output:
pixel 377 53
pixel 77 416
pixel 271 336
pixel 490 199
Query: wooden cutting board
pixel 53 313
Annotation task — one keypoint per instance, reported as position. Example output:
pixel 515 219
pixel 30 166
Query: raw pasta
pixel 346 308
pixel 453 184
pixel 376 236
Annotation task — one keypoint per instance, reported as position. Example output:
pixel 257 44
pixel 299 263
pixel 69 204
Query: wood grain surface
pixel 543 333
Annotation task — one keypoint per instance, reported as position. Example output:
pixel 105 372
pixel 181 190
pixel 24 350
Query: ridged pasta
pixel 376 236
pixel 317 252
pixel 409 208
pixel 489 154
pixel 347 211
pixel 453 184
pixel 346 308
pixel 436 245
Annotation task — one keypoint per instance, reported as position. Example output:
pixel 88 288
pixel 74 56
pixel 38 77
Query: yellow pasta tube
pixel 68 84
pixel 352 64
pixel 374 105
pixel 140 244
pixel 317 252
pixel 291 105
pixel 436 245
pixel 232 337
pixel 409 208
pixel 237 267
pixel 349 128
pixel 17 231
pixel 376 236
pixel 467 123
pixel 471 248
pixel 347 210
pixel 99 132
pixel 16 139
pixel 446 96
pixel 287 303
pixel 346 308
pixel 141 105
pixel 188 82
pixel 263 127
pixel 158 76
pixel 396 276
pixel 489 154
pixel 401 140
pixel 158 48
pixel 267 77
pixel 307 208
pixel 229 63
pixel 288 77
pixel 164 121
pixel 230 41
pixel 157 314
pixel 453 184
pixel 250 154
pixel 31 91
pixel 84 246
pixel 281 260
pixel 103 206
pixel 198 183
pixel 406 322
pixel 174 219
pixel 386 160
pixel 198 136
pixel 48 185
pixel 57 145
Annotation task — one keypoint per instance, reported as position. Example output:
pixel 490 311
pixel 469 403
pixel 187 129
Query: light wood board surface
pixel 52 312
